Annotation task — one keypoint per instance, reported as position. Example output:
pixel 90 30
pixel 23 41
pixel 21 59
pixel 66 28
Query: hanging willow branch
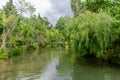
pixel 90 33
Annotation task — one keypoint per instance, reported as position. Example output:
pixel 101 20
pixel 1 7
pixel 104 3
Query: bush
pixel 3 55
pixel 16 51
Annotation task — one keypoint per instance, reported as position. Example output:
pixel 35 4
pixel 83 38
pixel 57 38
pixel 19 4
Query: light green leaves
pixel 90 33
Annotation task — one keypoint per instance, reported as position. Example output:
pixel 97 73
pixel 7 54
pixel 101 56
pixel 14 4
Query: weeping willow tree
pixel 90 33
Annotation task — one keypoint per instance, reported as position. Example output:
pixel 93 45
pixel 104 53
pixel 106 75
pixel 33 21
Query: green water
pixel 56 65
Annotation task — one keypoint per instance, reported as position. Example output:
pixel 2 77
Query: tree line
pixel 19 33
pixel 94 30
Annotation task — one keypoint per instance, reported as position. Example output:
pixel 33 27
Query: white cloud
pixel 60 8
pixel 2 3
pixel 42 6
pixel 52 9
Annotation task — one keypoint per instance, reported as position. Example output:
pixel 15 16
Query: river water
pixel 56 64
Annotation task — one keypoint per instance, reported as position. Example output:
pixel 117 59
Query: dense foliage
pixel 19 33
pixel 94 29
pixel 90 33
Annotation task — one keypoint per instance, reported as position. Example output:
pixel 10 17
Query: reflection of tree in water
pixel 2 70
pixel 64 67
pixel 87 69
pixel 69 68
pixel 28 65
pixel 94 70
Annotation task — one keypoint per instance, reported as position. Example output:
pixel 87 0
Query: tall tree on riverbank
pixel 24 7
pixel 1 26
pixel 12 16
pixel 95 7
pixel 9 21
pixel 79 6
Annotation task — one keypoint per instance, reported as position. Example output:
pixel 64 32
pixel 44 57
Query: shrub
pixel 3 54
pixel 16 51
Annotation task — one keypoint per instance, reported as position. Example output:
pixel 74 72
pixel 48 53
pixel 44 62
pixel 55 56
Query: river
pixel 56 64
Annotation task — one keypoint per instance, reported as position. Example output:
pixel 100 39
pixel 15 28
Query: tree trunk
pixel 28 44
pixel 3 45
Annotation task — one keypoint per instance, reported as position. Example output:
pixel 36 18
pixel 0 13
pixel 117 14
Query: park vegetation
pixel 94 30
pixel 20 33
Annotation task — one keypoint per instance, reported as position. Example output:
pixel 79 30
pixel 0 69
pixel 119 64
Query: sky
pixel 52 9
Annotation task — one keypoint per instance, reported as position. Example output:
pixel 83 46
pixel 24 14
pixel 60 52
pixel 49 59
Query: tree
pixel 96 5
pixel 9 21
pixel 28 32
pixel 9 9
pixel 24 7
pixel 61 24
pixel 1 26
pixel 111 7
pixel 90 33
pixel 76 6
pixel 79 6
pixel 54 35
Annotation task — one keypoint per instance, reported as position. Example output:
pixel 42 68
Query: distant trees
pixel 61 25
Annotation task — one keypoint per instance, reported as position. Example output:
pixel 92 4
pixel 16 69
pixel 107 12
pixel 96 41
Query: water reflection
pixel 87 70
pixel 50 71
pixel 55 65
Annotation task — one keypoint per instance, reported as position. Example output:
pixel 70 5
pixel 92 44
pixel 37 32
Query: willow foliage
pixel 90 33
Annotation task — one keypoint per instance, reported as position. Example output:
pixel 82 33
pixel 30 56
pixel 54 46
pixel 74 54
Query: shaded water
pixel 56 65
